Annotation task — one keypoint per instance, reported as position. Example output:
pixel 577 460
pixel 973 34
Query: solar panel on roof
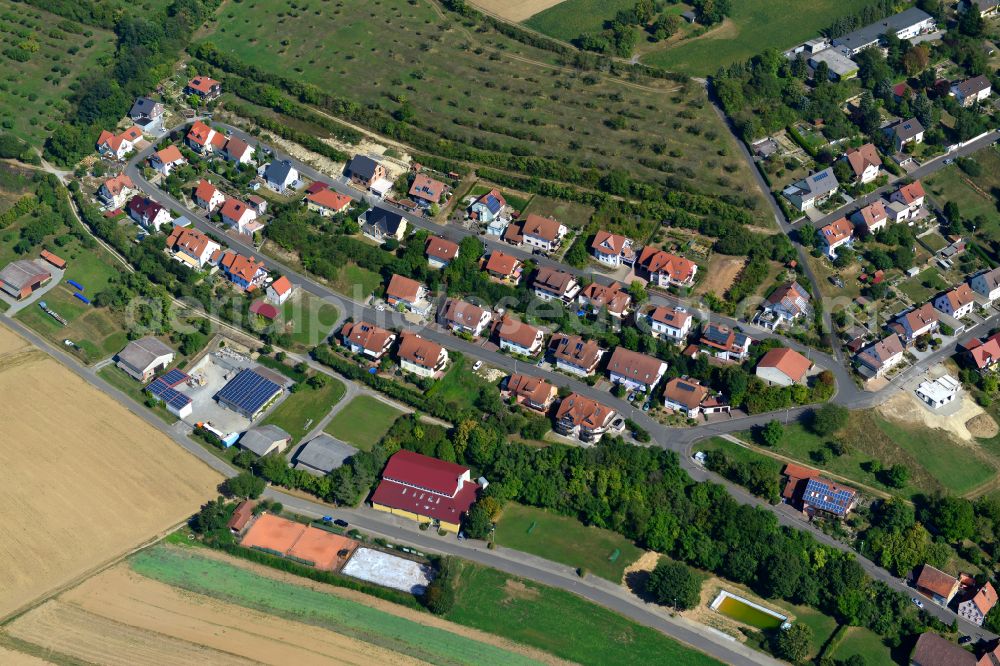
pixel 821 496
pixel 160 390
pixel 820 176
pixel 174 378
pixel 248 391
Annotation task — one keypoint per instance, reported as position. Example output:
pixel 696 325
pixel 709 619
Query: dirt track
pixel 85 480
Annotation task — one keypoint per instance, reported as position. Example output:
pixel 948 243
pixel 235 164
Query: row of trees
pixel 148 43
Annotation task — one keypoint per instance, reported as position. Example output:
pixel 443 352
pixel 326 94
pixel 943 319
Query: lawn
pixel 864 642
pixel 753 26
pixel 573 215
pixel 97 332
pixel 477 88
pixel 188 570
pixel 357 282
pixel 567 540
pixel 923 285
pixel 116 377
pixel 738 453
pixel 303 410
pixel 561 623
pixel 460 386
pixel 33 93
pixel 954 466
pixel 363 421
pixel 975 196
pixel 308 318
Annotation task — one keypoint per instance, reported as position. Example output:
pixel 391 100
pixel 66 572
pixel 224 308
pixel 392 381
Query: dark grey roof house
pixel 280 174
pixel 145 109
pixel 362 167
pixel 323 454
pixel 379 223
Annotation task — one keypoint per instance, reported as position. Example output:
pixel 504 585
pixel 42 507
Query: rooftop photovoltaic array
pixel 248 391
pixel 174 378
pixel 163 391
pixel 821 496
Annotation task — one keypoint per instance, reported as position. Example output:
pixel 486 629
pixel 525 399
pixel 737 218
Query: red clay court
pixel 300 541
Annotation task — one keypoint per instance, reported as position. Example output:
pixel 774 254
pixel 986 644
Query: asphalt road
pixel 926 169
pixel 517 563
pixel 677 439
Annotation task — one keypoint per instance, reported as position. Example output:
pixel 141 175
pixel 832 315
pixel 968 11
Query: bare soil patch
pixel 722 270
pixel 515 589
pixel 515 10
pixel 85 480
pixel 982 426
pixel 906 407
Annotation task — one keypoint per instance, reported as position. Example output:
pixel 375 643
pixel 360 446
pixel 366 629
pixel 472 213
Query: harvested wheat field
pixel 120 617
pixel 514 10
pixel 85 480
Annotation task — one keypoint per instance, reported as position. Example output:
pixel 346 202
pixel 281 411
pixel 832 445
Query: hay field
pixel 514 10
pixel 84 479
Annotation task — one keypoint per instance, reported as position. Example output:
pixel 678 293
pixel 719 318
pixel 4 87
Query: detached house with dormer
pixel 550 284
pixel 207 196
pixel 787 303
pixel 812 190
pixel 147 212
pixel 724 343
pixel 612 249
pixel 864 162
pixel 464 317
pixel 957 302
pixel 835 235
pixel 519 338
pixel 247 273
pixel 239 215
pixel 203 139
pixel 543 233
pixel 421 356
pixel 634 370
pixel 663 269
pixel 203 86
pixel 919 321
pixel 671 322
pixel 881 356
pixel 117 191
pixel 368 339
pixel 613 297
pixel 575 355
pixel 238 151
pixel 872 218
pixel 191 247
pixel 166 160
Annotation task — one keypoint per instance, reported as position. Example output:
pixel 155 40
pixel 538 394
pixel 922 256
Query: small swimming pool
pixel 747 612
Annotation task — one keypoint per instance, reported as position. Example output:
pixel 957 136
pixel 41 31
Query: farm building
pixel 425 489
pixel 250 392
pixel 266 439
pixel 144 357
pixel 53 259
pixel 323 454
pixel 21 278
pixel 164 389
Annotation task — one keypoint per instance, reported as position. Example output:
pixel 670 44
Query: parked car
pixel 964 639
pixel 948 161
pixel 478 365
pixel 340 522
pixel 918 602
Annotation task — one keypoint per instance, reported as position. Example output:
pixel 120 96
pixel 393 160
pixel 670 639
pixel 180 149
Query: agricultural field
pixel 171 604
pixel 514 10
pixel 122 381
pixel 303 410
pixel 88 481
pixel 363 422
pixel 566 540
pixel 560 622
pixel 42 55
pixel 479 85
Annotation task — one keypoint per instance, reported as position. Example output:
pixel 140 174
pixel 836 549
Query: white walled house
pixel 957 302
pixel 986 283
pixel 671 323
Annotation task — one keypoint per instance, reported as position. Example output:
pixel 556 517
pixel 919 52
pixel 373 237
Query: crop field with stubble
pixel 465 81
pixel 85 480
